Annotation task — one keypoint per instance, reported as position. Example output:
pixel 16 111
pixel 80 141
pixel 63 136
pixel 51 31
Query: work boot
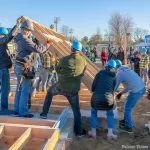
pixel 92 133
pixel 121 122
pixel 15 114
pixel 112 137
pixel 27 116
pixel 126 129
pixel 83 133
pixel 43 116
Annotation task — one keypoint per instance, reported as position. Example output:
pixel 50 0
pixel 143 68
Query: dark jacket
pixel 136 61
pixel 102 88
pixel 25 46
pixel 120 56
pixel 71 69
pixel 5 61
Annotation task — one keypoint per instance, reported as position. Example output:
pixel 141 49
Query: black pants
pixel 73 99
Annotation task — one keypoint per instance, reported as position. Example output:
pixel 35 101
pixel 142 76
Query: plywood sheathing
pixel 61 48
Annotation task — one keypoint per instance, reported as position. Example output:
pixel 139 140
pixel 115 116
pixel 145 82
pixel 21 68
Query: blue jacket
pixel 102 88
pixel 25 46
pixel 131 81
pixel 5 61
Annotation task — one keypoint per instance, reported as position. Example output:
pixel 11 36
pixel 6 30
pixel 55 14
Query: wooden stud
pixel 22 141
pixel 1 131
pixel 51 143
pixel 27 121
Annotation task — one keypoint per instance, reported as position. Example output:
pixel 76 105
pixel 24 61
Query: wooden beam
pixel 61 48
pixel 51 143
pixel 22 141
pixel 1 131
pixel 27 121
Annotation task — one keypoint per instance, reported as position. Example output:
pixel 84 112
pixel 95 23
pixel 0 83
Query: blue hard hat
pixel 3 31
pixel 118 63
pixel 111 63
pixel 76 45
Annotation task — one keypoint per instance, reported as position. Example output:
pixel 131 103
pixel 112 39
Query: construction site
pixel 56 132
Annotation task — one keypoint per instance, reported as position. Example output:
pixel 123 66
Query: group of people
pixel 70 71
pixel 105 92
pixel 108 54
pixel 138 60
pixel 91 54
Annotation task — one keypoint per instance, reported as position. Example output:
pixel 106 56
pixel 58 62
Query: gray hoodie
pixel 130 80
pixel 25 46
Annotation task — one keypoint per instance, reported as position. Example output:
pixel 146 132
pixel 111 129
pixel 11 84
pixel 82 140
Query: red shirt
pixel 104 56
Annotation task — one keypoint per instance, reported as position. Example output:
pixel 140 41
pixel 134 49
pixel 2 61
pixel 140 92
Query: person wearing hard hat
pixel 144 64
pixel 46 64
pixel 23 67
pixel 104 57
pixel 118 63
pixel 103 98
pixel 70 71
pixel 5 63
pixel 132 84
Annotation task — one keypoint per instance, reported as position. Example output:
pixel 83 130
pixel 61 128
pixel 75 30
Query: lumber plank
pixel 51 143
pixel 26 121
pixel 48 29
pixel 61 48
pixel 22 141
pixel 1 131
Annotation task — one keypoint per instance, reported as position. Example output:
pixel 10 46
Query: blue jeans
pixel 110 118
pixel 131 102
pixel 23 93
pixel 5 87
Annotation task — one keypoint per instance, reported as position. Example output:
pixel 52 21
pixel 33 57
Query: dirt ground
pixel 139 140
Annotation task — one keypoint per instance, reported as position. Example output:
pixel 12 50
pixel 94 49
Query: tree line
pixel 121 31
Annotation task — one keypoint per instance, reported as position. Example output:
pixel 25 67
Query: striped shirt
pixel 46 60
pixel 144 62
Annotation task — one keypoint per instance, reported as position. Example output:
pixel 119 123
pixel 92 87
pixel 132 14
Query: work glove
pixel 49 42
pixel 19 21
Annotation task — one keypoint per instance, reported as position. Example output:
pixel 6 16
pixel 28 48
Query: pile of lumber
pixel 61 47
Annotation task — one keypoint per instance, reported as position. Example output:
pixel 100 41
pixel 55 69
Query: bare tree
pixel 127 25
pixel 139 33
pixel 95 39
pixel 115 26
pixel 52 26
pixel 121 27
pixel 85 40
pixel 108 36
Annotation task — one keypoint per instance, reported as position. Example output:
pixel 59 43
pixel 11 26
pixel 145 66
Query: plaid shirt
pixel 46 60
pixel 144 62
